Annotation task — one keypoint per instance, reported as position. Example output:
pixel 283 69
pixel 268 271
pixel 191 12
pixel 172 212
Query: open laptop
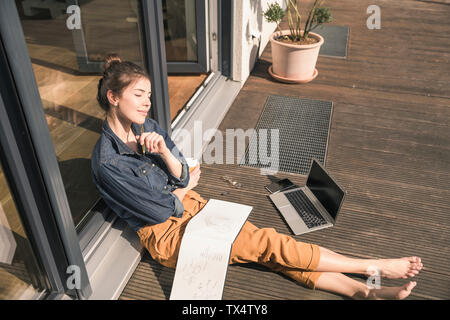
pixel 314 206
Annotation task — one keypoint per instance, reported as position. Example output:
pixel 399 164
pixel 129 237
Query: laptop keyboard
pixel 305 209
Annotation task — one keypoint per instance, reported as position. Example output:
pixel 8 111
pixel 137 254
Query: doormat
pixel 336 40
pixel 301 129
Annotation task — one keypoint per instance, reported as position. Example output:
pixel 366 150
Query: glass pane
pixel 180 30
pixel 112 26
pixel 19 272
pixel 66 50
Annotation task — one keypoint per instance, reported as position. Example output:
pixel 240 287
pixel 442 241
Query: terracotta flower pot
pixel 294 63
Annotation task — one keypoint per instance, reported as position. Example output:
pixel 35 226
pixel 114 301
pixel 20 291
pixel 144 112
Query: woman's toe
pixel 414 259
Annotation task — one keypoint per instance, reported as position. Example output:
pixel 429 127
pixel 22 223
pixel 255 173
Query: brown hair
pixel 117 76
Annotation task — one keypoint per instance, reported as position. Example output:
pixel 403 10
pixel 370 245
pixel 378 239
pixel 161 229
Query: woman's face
pixel 134 103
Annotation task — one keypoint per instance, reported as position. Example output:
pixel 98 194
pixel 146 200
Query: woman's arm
pixel 193 181
pixel 124 192
pixel 173 164
pixel 156 143
pixel 180 193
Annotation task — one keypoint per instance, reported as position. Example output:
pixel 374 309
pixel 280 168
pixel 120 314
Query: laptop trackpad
pixel 279 200
pixel 291 216
pixel 293 219
pixel 289 213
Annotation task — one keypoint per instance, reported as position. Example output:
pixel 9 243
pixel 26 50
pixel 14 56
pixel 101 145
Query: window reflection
pixel 67 66
pixel 180 30
pixel 19 272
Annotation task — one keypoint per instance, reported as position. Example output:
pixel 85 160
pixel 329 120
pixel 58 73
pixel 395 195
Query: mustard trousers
pixel 280 253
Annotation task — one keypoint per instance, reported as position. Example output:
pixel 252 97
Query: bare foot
pixel 398 268
pixel 398 293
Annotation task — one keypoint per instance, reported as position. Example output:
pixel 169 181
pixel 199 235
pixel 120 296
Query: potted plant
pixel 295 51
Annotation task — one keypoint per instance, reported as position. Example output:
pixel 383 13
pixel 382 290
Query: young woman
pixel 145 180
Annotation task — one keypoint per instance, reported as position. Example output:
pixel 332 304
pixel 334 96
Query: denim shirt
pixel 138 188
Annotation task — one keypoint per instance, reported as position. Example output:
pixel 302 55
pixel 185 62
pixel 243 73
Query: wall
pixel 248 20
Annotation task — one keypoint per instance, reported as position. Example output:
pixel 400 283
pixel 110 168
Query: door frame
pixel 85 65
pixel 155 61
pixel 226 21
pixel 21 190
pixel 201 66
pixel 54 225
pixel 34 123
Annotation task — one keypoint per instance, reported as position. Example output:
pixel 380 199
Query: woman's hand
pixel 194 176
pixel 154 142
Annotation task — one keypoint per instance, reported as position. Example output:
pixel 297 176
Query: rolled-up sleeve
pixel 126 192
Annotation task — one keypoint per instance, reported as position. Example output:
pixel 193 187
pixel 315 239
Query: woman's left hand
pixel 154 142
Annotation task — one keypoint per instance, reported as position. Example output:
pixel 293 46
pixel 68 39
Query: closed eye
pixel 139 95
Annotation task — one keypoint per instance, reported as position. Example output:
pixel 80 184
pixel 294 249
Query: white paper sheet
pixel 205 250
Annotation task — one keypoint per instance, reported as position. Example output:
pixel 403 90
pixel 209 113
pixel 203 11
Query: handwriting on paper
pixel 205 250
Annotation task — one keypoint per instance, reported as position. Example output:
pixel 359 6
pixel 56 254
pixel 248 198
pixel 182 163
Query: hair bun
pixel 112 59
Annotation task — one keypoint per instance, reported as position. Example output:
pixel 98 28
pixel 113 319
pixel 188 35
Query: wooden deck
pixel 389 147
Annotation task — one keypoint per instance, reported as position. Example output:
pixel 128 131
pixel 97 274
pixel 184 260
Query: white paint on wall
pixel 251 34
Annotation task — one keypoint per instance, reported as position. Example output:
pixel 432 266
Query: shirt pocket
pixel 150 173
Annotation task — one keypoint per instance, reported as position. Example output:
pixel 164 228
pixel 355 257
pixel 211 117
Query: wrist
pixel 180 193
pixel 166 154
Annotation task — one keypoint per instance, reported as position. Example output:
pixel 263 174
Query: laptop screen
pixel 325 189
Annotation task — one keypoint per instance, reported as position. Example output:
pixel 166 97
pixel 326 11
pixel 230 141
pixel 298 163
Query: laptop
pixel 314 206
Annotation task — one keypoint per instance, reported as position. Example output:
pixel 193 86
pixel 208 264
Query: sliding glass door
pixel 184 23
pixel 185 35
pixel 20 273
pixel 66 59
